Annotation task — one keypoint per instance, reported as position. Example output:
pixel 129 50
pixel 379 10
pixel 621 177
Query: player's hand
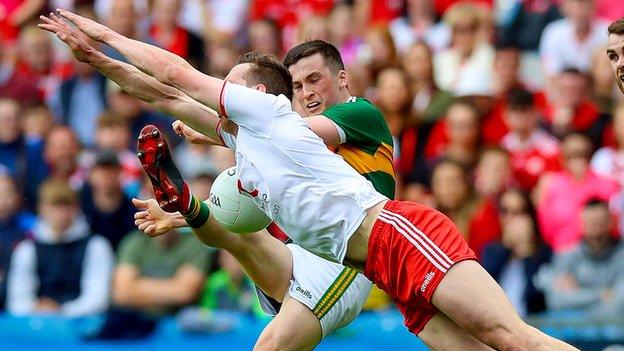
pixel 191 135
pixel 76 41
pixel 91 28
pixel 153 220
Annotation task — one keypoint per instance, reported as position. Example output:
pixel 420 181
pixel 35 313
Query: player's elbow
pixel 171 72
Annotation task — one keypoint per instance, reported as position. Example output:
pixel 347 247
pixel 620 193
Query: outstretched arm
pixel 136 83
pixel 166 67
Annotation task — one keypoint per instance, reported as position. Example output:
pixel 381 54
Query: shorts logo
pixel 305 293
pixel 428 278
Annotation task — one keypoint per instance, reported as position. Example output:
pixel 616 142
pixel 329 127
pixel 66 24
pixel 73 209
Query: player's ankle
pixel 197 213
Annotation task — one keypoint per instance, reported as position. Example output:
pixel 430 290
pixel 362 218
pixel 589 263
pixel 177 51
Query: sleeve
pixel 95 280
pixel 228 140
pixel 249 108
pixel 22 280
pixel 130 249
pixel 359 121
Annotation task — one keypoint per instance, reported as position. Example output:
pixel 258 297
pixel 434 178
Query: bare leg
pixel 471 298
pixel 294 328
pixel 442 334
pixel 266 260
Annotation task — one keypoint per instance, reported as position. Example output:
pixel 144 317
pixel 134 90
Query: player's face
pixel 615 53
pixel 316 88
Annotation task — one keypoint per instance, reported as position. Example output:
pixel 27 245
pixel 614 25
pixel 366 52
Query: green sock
pixel 197 213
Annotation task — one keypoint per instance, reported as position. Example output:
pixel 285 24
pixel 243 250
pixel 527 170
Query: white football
pixel 236 212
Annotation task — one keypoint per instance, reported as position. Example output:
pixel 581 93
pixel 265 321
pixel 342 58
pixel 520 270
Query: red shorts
pixel 411 247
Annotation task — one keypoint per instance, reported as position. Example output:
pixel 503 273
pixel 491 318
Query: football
pixel 234 210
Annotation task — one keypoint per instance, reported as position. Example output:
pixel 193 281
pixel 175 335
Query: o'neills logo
pixel 428 278
pixel 305 293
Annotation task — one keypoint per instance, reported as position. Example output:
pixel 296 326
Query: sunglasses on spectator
pixel 464 28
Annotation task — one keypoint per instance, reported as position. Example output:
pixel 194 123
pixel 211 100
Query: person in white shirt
pixel 327 207
pixel 570 42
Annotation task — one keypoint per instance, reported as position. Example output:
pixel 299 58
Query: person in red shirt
pixel 533 151
pixel 475 216
pixel 16 13
pixel 572 110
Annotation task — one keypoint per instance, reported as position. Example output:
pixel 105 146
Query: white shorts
pixel 333 292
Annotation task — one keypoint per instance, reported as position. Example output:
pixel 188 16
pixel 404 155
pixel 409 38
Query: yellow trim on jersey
pixel 364 162
pixel 335 292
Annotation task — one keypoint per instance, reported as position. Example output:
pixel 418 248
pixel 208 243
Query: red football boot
pixel 172 192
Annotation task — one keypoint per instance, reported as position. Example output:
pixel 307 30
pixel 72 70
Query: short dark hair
pixel 520 99
pixel 616 27
pixel 267 70
pixel 596 202
pixel 330 54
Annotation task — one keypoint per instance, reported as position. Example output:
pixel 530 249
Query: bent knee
pixel 274 340
pixel 513 339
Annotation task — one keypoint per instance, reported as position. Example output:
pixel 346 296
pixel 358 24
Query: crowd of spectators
pixel 504 116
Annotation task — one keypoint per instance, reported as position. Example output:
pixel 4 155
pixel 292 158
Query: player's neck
pixel 344 95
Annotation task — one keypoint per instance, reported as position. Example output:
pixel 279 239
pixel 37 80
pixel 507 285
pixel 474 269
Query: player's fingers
pixel 48 27
pixel 140 214
pixel 143 226
pixel 45 19
pixel 151 230
pixel 140 203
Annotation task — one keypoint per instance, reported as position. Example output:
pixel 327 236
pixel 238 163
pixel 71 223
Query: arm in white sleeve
pixel 95 280
pixel 22 280
pixel 250 108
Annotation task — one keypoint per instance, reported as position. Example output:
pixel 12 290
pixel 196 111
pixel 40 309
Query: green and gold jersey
pixel 367 142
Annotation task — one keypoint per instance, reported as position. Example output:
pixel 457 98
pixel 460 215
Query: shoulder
pixel 558 26
pixel 133 239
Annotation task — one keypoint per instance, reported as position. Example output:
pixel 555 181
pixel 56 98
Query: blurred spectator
pixel 571 41
pixel 122 16
pixel 454 196
pixel 16 13
pixel 222 58
pixel 571 110
pixel 200 182
pixel 516 258
pixel 469 56
pixel 603 92
pixel 195 159
pixel 61 156
pixel 419 25
pixel 526 21
pixel 457 136
pixel 589 278
pixel 609 161
pixel 14 226
pixel 287 14
pixel 64 269
pixel 13 83
pixel 220 21
pixel 21 156
pixel 166 33
pixel 113 134
pixel 342 36
pixel 80 100
pixel 264 37
pixel 36 60
pixel 533 151
pixel 229 288
pixel 137 114
pixel 314 27
pixel 394 101
pixel 430 102
pixel 108 210
pixel 378 51
pixel 442 6
pixel 560 196
pixel 493 173
pixel 159 275
pixel 37 121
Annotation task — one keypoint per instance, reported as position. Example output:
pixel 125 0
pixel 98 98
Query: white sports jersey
pixel 310 192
